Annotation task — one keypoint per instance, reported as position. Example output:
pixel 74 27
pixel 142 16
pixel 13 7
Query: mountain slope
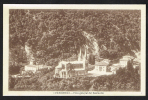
pixel 54 33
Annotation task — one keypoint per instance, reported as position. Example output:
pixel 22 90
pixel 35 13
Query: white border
pixel 6 8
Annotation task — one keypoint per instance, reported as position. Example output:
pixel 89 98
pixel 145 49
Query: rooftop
pixel 82 69
pixel 58 66
pixel 101 63
pixel 106 60
pixel 31 66
pixel 115 65
pixel 37 66
pixel 71 62
pixel 127 57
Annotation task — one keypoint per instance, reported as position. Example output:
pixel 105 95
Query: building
pixel 66 69
pixel 136 64
pixel 114 68
pixel 106 60
pixel 124 60
pixel 35 68
pixel 100 68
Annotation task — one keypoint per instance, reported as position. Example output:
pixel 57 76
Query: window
pixel 100 68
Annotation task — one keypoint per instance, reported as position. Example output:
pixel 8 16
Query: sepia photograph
pixel 74 50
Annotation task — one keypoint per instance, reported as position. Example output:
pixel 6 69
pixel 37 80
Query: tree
pixel 91 59
pixel 130 66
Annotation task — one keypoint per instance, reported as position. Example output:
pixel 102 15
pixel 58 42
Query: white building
pixel 114 68
pixel 63 70
pixel 100 68
pixel 136 63
pixel 124 60
pixel 78 67
pixel 35 68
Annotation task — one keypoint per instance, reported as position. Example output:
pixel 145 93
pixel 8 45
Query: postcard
pixel 74 50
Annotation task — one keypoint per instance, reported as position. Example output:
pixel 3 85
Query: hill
pixel 50 34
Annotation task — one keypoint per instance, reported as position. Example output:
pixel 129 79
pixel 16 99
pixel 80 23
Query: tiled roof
pixel 31 65
pixel 58 67
pixel 101 63
pixel 115 66
pixel 37 66
pixel 126 57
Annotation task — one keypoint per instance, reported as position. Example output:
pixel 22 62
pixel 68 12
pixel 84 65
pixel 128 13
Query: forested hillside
pixel 50 33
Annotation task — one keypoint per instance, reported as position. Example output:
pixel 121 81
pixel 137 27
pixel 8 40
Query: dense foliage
pixel 50 33
pixel 124 80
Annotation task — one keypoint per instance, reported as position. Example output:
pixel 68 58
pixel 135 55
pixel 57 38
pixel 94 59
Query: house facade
pixel 101 67
pixel 35 68
pixel 124 60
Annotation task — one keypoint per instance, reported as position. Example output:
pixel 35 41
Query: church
pixel 67 69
